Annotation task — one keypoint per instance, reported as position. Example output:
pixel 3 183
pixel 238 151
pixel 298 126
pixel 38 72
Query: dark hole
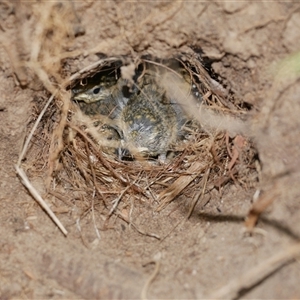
pixel 126 91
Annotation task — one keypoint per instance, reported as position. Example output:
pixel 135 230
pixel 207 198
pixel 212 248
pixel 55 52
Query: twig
pixel 93 216
pixel 123 217
pixel 25 147
pixel 25 179
pixel 163 66
pixel 93 198
pixel 149 280
pixel 39 199
pixel 144 232
pixel 256 274
pixel 260 205
pixel 116 201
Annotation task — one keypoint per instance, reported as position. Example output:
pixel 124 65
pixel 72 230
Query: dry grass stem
pixel 260 205
pixel 125 218
pixel 170 193
pixel 150 280
pixel 39 199
pixel 257 274
pixel 116 201
pixel 177 89
pixel 28 139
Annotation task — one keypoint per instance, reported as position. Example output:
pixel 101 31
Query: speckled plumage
pixel 105 98
pixel 149 123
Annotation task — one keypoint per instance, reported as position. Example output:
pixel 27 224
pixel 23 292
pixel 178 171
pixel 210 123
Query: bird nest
pixel 80 171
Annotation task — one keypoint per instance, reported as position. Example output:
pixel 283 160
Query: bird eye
pixel 96 91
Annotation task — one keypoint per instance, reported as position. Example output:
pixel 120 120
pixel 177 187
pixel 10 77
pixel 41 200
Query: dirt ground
pixel 254 51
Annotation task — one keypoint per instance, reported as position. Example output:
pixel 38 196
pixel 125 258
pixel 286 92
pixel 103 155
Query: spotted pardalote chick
pixel 106 98
pixel 149 124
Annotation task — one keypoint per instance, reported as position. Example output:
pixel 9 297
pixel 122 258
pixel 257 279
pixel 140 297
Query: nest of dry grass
pixel 208 159
pixel 77 170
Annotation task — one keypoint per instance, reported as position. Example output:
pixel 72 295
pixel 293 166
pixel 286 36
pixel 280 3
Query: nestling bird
pixel 106 98
pixel 146 123
pixel 149 122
